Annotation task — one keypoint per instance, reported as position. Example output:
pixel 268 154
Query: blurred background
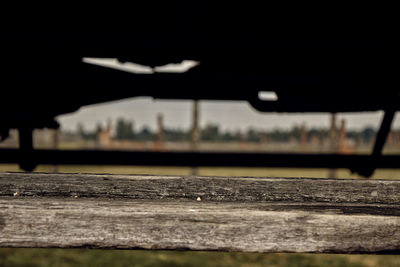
pixel 155 125
pixel 160 125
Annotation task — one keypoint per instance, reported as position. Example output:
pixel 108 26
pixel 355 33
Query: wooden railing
pixel 199 213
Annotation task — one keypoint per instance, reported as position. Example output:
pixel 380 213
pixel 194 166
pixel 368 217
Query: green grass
pixel 86 257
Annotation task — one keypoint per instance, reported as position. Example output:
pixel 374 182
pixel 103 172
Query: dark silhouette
pixel 311 62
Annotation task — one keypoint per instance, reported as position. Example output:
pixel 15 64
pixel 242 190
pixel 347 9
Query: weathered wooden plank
pixel 230 189
pixel 199 213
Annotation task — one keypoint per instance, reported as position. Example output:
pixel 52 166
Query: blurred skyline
pixel 238 115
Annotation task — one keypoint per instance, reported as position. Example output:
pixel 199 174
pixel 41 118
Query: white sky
pixel 229 115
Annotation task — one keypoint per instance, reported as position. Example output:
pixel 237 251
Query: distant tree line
pixel 125 130
pixel 85 134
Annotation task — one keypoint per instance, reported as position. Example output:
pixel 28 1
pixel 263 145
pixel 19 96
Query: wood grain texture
pixel 199 213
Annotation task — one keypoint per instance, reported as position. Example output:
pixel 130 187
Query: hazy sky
pixel 230 115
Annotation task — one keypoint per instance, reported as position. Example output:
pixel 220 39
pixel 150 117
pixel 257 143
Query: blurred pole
pixel 303 138
pixel 54 145
pixel 333 138
pixel 342 137
pixel 160 132
pixel 27 162
pixel 160 126
pixel 195 131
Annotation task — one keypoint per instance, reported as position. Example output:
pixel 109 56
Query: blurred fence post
pixel 195 131
pixel 159 144
pixel 303 138
pixel 54 136
pixel 333 138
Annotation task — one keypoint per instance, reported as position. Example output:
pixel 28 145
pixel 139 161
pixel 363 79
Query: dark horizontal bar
pixel 228 159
